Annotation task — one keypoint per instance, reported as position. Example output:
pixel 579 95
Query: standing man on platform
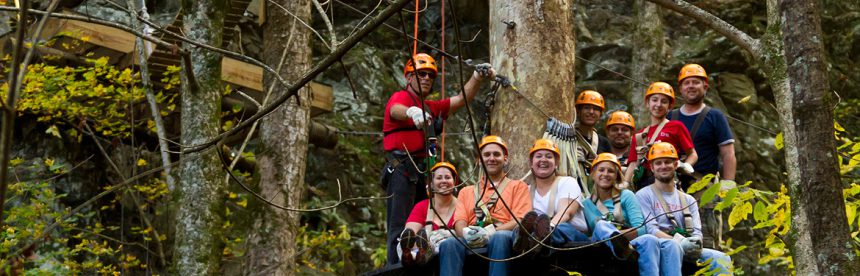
pixel 404 137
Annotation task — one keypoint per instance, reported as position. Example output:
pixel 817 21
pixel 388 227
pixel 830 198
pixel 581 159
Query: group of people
pixel 635 203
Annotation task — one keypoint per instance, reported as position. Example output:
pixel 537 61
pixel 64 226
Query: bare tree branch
pixel 319 68
pixel 737 36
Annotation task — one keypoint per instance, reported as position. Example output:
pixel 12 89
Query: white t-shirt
pixel 567 188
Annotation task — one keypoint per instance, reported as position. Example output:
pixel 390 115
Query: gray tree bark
pixel 792 56
pixel 284 139
pixel 201 191
pixel 538 54
pixel 821 241
pixel 648 44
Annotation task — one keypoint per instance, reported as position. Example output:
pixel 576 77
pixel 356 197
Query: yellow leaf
pixel 851 212
pixel 243 203
pixel 49 162
pixel 778 143
pixel 141 162
pixel 701 184
pixel 54 131
pixel 15 162
pixel 232 195
pixel 838 127
pixel 745 99
pixel 739 213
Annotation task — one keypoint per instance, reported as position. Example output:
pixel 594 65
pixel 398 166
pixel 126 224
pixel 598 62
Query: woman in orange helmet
pixel 659 98
pixel 429 223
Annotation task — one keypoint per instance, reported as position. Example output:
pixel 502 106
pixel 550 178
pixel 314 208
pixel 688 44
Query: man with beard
pixel 619 130
pixel 403 127
pixel 712 138
pixel 676 213
pixel 485 213
pixel 589 108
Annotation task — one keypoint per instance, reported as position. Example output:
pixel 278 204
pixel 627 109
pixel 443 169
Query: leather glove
pixel 476 236
pixel 692 247
pixel 437 236
pixel 484 71
pixel 685 168
pixel 726 185
pixel 418 117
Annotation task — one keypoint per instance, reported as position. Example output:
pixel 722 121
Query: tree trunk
pixel 538 54
pixel 647 53
pixel 821 243
pixel 284 140
pixel 202 188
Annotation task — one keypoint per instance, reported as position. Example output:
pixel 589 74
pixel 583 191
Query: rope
pixel 442 67
pixel 415 33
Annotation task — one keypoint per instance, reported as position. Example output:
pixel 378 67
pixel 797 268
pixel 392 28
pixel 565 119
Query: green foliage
pixel 323 250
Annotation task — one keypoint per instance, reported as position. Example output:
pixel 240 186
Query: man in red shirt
pixel 403 126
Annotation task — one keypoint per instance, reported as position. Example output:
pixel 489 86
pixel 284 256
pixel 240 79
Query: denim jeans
pixel 656 256
pixel 406 190
pixel 718 260
pixel 452 254
pixel 564 233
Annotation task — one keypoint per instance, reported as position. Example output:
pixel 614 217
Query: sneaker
pixel 407 242
pixel 527 225
pixel 423 243
pixel 621 247
pixel 542 230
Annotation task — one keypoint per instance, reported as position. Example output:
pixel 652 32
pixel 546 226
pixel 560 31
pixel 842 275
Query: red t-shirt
pixel 408 134
pixel 674 132
pixel 419 215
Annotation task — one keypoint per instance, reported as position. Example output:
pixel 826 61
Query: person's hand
pixel 692 247
pixel 484 71
pixel 685 168
pixel 476 236
pixel 436 237
pixel 419 118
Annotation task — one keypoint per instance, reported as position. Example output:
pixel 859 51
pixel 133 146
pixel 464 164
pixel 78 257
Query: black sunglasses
pixel 425 74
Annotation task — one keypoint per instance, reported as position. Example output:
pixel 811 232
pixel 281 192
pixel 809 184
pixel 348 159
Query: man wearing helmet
pixel 619 130
pixel 712 138
pixel 403 127
pixel 676 213
pixel 486 212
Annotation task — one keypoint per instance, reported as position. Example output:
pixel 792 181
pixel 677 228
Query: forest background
pixel 86 195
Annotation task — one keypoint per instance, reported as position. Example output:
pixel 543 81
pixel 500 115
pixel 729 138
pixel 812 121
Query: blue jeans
pixel 656 256
pixel 564 233
pixel 452 254
pixel 718 260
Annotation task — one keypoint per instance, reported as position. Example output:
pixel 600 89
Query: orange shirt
pixel 516 195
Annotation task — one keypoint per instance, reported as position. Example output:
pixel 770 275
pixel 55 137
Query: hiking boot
pixel 424 249
pixel 621 247
pixel 527 225
pixel 407 242
pixel 542 230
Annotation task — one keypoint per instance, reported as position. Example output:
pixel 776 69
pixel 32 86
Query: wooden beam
pixel 242 73
pixel 322 98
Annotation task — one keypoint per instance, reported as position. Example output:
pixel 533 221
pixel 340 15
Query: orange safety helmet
pixel 606 157
pixel 590 97
pixel 621 118
pixel 447 165
pixel 663 89
pixel 544 144
pixel 692 70
pixel 662 150
pixel 493 139
pixel 423 60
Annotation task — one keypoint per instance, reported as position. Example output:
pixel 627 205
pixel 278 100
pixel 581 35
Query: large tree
pixel 791 54
pixel 201 191
pixel 533 43
pixel 284 142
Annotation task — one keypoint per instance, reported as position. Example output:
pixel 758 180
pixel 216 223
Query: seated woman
pixel 611 212
pixel 420 241
pixel 555 202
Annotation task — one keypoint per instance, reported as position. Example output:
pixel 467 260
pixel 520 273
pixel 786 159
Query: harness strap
pixel 675 114
pixel 553 190
pixel 428 220
pixel 688 218
pixel 482 209
pixel 617 211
